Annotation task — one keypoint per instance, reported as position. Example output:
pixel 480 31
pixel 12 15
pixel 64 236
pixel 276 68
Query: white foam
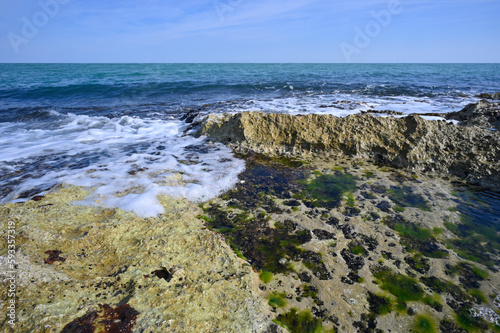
pixel 342 105
pixel 130 161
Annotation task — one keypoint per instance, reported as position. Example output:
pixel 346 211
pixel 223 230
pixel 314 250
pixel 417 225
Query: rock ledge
pixel 412 142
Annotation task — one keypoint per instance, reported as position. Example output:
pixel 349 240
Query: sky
pixel 256 31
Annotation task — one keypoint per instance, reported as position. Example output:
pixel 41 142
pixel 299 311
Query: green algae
pixel 404 197
pixel 433 302
pixel 408 230
pixel 472 324
pixel 398 209
pixel 301 322
pixel 475 242
pixel 351 202
pixel 440 287
pixel 205 218
pixel 404 288
pixel 379 305
pixel 266 276
pixel 416 238
pixel 470 274
pixel 437 231
pixel 309 291
pixel 237 251
pixel 265 180
pixel 478 295
pixel 369 174
pixel 418 263
pixel 478 237
pixel 277 300
pixel 328 190
pixel 424 324
pixel 358 250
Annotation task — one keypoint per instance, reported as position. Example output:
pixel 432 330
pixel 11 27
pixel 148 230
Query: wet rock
pixel 107 319
pixel 484 113
pixel 323 234
pixel 367 324
pixel 384 206
pixel 380 189
pixel 333 221
pixel 387 255
pixel 313 261
pixel 305 277
pixel 291 203
pixel 164 274
pixel 418 263
pixel 351 211
pixel 367 195
pixel 190 116
pixel 354 262
pixel 415 237
pixel 346 280
pixel 447 326
pixel 469 276
pixel 484 96
pixel 348 231
pixel 389 112
pixel 445 287
pixel 379 305
pixel 369 241
pixel 53 257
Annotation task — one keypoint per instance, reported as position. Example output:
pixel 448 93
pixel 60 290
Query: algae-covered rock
pixel 96 268
pixel 409 142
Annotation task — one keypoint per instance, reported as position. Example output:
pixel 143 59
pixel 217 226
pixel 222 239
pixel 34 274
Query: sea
pixel 118 129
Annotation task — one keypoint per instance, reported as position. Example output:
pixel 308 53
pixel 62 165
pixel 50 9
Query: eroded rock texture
pixel 410 142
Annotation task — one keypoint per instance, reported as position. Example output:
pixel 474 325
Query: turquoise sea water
pixel 171 87
pixel 118 126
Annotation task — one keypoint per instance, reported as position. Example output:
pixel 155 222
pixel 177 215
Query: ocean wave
pixel 130 161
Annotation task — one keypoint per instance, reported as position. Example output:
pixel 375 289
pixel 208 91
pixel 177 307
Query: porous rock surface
pixel 410 142
pixel 90 269
pixel 484 113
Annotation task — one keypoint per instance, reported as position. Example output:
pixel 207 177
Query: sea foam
pixel 127 161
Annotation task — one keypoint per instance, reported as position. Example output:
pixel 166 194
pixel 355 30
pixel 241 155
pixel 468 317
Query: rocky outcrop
pixel 411 142
pixel 489 96
pixel 81 268
pixel 484 114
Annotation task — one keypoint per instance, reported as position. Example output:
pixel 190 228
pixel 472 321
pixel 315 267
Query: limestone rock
pixel 114 267
pixel 485 114
pixel 410 142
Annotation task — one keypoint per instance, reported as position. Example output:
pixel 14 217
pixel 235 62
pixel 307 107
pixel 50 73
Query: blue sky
pixel 249 31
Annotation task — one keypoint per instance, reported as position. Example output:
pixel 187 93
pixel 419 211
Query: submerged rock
pixel 410 142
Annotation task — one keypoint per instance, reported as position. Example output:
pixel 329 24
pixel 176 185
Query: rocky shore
pixel 470 152
pixel 87 269
pixel 356 224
